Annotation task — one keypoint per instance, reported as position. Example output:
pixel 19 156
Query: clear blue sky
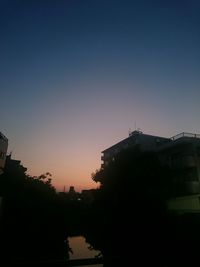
pixel 76 75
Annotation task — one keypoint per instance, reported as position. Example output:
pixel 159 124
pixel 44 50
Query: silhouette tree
pixel 132 196
pixel 135 172
pixel 31 215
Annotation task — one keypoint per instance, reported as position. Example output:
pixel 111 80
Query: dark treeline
pixel 127 219
pixel 35 222
pixel 129 210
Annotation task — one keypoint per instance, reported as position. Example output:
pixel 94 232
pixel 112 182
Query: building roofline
pixel 173 138
pixel 134 133
pixel 2 136
pixel 120 142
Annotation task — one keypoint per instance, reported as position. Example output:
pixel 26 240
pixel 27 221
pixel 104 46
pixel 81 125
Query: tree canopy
pixel 131 202
pixel 135 172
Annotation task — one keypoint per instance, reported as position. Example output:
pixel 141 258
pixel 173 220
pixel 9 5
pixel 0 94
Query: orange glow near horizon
pixel 70 157
pixel 75 78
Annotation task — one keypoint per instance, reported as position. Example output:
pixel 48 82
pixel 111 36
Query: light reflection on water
pixel 81 250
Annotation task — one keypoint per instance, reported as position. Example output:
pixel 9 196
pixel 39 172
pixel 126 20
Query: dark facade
pixel 180 153
pixel 14 165
pixel 144 142
pixel 3 151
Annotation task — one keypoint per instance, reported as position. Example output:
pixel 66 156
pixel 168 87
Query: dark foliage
pixel 135 177
pixel 32 224
pixel 130 206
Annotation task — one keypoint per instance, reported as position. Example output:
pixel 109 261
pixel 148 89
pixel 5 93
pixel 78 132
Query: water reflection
pixel 79 249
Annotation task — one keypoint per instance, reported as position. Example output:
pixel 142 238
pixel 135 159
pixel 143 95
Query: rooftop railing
pixel 191 135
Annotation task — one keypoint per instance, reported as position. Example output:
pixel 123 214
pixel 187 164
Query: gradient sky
pixel 76 75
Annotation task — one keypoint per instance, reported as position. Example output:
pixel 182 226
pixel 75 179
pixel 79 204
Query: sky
pixel 76 76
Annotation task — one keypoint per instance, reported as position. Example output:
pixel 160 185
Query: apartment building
pixel 3 151
pixel 144 142
pixel 181 153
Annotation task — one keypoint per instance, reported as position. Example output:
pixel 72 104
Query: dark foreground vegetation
pixel 127 219
pixel 32 222
pixel 130 221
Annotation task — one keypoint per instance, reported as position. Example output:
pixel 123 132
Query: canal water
pixel 79 249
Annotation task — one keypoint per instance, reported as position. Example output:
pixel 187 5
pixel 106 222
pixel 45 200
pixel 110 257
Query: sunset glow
pixel 77 75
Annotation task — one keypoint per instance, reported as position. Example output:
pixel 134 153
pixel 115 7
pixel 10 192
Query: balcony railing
pixel 191 135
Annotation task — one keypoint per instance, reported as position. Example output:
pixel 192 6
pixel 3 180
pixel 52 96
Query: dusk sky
pixel 76 75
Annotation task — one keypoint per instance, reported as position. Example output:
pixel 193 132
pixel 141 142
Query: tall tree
pixel 131 201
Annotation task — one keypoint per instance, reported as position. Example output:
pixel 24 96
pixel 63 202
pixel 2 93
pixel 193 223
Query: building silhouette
pixel 14 166
pixel 72 194
pixel 181 153
pixel 144 142
pixel 87 195
pixel 3 151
